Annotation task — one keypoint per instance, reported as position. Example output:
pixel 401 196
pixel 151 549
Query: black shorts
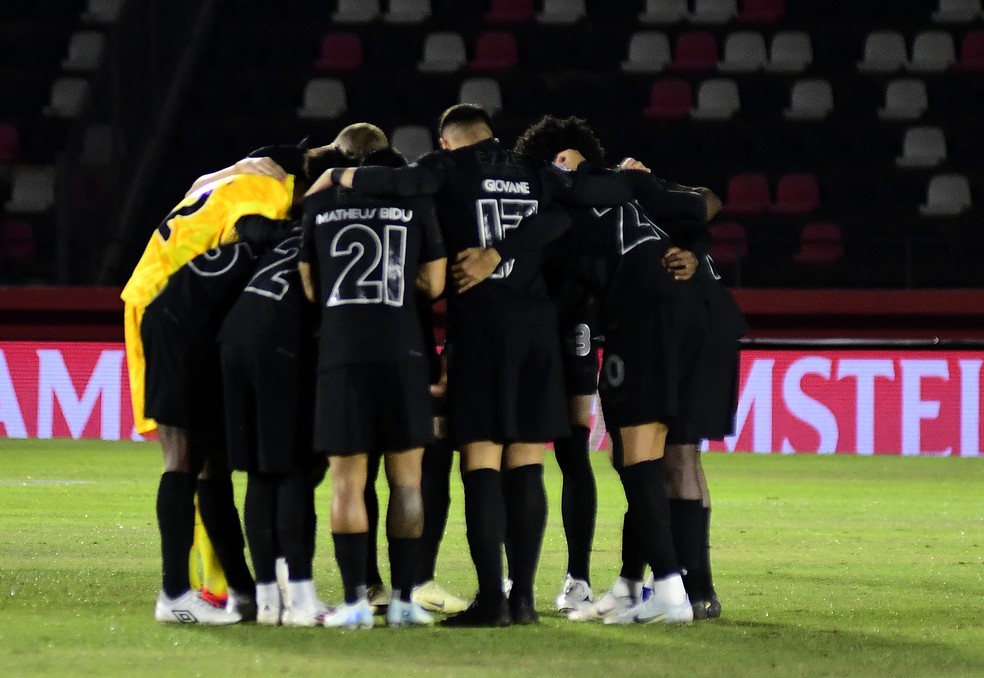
pixel 651 364
pixel 579 338
pixel 269 404
pixel 183 379
pixel 506 384
pixel 373 407
pixel 711 394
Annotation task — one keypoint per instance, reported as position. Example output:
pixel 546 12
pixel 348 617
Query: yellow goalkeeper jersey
pixel 203 220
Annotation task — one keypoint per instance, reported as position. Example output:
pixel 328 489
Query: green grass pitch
pixel 826 566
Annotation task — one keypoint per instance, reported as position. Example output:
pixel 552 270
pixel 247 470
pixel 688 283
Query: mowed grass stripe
pixel 825 565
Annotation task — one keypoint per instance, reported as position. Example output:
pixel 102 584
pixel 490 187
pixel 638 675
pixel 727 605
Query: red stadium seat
pixel 796 194
pixel 340 52
pixel 495 51
pixel 696 51
pixel 730 243
pixel 761 11
pixel 672 98
pixel 511 11
pixel 820 244
pixel 9 144
pixel 747 193
pixel 971 52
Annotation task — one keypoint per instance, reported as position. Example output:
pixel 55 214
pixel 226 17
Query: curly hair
pixel 549 136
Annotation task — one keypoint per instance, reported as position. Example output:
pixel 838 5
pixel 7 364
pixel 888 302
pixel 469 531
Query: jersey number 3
pixel 375 268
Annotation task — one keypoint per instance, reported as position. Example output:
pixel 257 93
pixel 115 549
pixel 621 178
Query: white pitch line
pixel 14 483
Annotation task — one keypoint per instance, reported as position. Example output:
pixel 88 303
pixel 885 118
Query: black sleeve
pixel 257 229
pixel 424 177
pixel 535 232
pixel 589 187
pixel 689 235
pixel 660 203
pixel 432 247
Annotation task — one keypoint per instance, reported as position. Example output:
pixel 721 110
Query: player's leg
pixel 217 504
pixel 683 480
pixel 404 526
pixel 485 524
pixel 259 516
pixel 379 596
pixel 175 509
pixel 164 402
pixel 526 521
pixel 642 478
pixel 294 514
pixel 579 504
pixel 435 490
pixel 349 532
pixel 627 589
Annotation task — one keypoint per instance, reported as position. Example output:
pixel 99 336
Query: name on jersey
pixel 503 186
pixel 390 214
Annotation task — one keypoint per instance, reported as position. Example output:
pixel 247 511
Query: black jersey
pixel 199 294
pixel 618 250
pixel 368 253
pixel 272 312
pixel 483 192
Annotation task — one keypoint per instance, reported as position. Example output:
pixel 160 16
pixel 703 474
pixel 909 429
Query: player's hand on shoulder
pixel 262 167
pixel 633 164
pixel 681 263
pixel 472 266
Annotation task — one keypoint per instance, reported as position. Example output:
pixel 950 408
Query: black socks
pixel 176 521
pixel 218 509
pixel 646 496
pixel 485 518
pixel 579 501
pixel 526 521
pixel 350 552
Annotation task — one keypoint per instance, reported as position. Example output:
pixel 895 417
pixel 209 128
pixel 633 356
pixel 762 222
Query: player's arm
pixel 307 281
pixel 432 274
pixel 431 277
pixel 424 177
pixel 306 257
pixel 534 232
pixel 260 166
pixel 576 182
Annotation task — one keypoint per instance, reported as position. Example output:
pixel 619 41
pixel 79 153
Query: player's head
pixel 359 139
pixel 289 156
pixel 387 157
pixel 463 125
pixel 292 159
pixel 321 159
pixel 549 136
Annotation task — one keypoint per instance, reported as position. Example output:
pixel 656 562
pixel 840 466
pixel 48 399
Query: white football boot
pixel 623 594
pixel 358 615
pixel 574 595
pixel 403 613
pixel 668 604
pixel 189 608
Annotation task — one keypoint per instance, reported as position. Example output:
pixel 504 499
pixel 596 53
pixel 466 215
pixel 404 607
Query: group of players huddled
pixel 280 321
